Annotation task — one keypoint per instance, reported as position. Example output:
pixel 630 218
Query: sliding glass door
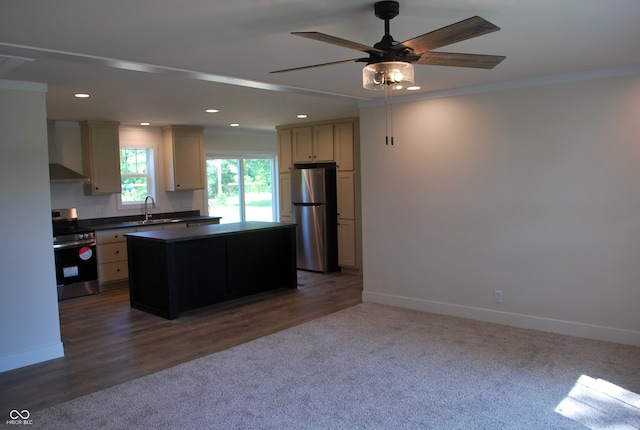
pixel 241 189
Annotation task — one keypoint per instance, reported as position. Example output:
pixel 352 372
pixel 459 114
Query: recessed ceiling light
pixel 82 95
pixel 213 110
pixel 235 124
pixel 413 88
pixel 301 116
pixel 144 123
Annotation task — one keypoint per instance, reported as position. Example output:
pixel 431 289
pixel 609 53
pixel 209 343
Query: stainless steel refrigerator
pixel 315 212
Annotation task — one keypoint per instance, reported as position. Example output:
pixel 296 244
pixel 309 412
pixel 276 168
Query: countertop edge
pixel 205 231
pixel 138 223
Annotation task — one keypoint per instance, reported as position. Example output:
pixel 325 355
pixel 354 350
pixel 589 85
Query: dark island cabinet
pixel 172 271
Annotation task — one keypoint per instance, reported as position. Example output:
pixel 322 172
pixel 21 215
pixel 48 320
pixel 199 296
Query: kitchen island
pixel 172 271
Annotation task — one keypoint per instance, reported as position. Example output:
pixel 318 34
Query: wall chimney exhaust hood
pixel 58 172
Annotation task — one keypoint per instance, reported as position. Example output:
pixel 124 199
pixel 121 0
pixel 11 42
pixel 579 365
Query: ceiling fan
pixel 390 62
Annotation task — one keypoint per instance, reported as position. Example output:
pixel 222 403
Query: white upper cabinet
pixel 312 143
pixel 101 156
pixel 184 162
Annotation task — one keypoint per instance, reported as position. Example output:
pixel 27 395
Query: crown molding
pixel 610 72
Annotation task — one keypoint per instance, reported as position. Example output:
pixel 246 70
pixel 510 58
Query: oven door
pixel 76 269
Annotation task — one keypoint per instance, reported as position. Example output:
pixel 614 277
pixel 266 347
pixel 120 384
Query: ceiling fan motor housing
pixel 387 9
pixel 395 51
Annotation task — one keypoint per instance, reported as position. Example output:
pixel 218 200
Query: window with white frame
pixel 138 173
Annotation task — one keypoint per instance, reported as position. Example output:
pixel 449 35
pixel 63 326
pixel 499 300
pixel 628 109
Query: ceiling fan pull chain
pixel 391 114
pixel 388 113
pixel 386 116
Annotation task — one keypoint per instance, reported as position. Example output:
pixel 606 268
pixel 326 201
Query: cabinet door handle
pixel 117 252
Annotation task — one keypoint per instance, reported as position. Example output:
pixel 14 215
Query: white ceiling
pixel 191 55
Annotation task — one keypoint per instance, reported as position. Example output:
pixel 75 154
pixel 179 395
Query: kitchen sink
pixel 160 221
pixel 152 221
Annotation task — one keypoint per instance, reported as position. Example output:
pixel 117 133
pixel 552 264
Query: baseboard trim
pixel 32 356
pixel 568 328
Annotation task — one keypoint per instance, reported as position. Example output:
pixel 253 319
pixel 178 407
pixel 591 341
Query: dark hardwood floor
pixel 107 343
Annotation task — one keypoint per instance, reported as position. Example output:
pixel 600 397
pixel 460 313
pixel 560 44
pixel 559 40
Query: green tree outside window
pixel 135 173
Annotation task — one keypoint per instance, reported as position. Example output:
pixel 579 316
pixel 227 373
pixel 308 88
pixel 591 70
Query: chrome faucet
pixel 147 214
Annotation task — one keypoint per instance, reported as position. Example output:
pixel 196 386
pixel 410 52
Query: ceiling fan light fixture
pixel 393 74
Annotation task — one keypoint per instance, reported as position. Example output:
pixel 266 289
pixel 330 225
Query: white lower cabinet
pixel 347 243
pixel 346 191
pixel 284 180
pixel 112 255
pixel 113 272
pixel 346 220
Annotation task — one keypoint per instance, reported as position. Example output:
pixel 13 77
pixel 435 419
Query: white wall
pixel 29 324
pixel 531 191
pixel 240 141
pixel 72 194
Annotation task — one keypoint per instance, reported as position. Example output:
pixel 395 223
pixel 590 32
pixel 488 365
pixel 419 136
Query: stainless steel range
pixel 75 255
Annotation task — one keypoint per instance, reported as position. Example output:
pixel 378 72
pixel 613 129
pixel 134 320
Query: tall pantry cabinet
pixel 336 141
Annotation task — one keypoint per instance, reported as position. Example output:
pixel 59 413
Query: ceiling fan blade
pixel 463 30
pixel 321 37
pixel 460 60
pixel 320 65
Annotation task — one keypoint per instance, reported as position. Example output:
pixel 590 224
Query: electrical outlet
pixel 497 296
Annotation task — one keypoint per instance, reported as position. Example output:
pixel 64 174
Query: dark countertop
pixel 199 232
pixel 113 223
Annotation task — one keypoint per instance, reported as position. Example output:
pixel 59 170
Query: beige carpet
pixel 379 367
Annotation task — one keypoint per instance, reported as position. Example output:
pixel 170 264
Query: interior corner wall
pixel 29 322
pixel 534 192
